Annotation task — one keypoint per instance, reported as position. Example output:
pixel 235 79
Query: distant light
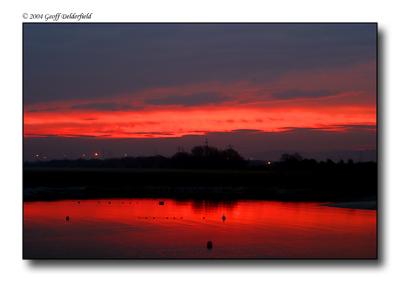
pixel 125 155
pixel 96 154
pixel 37 155
pixel 83 155
pixel 268 163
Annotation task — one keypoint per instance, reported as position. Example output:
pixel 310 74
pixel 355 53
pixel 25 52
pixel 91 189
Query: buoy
pixel 223 217
pixel 161 203
pixel 67 218
pixel 209 245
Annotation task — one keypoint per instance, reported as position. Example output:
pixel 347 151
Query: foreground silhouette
pixel 206 172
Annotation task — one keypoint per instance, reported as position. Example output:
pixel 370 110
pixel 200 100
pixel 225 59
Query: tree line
pixel 200 157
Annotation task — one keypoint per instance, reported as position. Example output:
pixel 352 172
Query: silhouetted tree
pixel 296 157
pixel 181 160
pixel 211 157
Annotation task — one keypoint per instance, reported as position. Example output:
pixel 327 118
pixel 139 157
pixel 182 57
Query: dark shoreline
pixel 361 205
pixel 43 194
pixel 288 185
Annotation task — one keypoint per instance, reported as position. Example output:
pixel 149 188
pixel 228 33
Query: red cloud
pixel 350 100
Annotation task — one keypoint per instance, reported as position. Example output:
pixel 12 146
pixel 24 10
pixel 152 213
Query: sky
pixel 145 89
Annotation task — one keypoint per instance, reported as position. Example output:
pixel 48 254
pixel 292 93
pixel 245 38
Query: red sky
pixel 154 83
pixel 295 100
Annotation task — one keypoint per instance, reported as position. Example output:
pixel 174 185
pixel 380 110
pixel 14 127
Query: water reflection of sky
pixel 142 228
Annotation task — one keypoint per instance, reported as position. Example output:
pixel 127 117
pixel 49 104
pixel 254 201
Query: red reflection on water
pixel 141 228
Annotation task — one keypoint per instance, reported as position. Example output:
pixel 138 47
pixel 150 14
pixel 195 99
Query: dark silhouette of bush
pixel 291 161
pixel 209 158
pixel 181 160
pixel 291 158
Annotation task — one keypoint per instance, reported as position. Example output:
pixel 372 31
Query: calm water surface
pixel 142 228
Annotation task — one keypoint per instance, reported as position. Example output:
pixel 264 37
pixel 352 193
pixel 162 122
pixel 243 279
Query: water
pixel 142 228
